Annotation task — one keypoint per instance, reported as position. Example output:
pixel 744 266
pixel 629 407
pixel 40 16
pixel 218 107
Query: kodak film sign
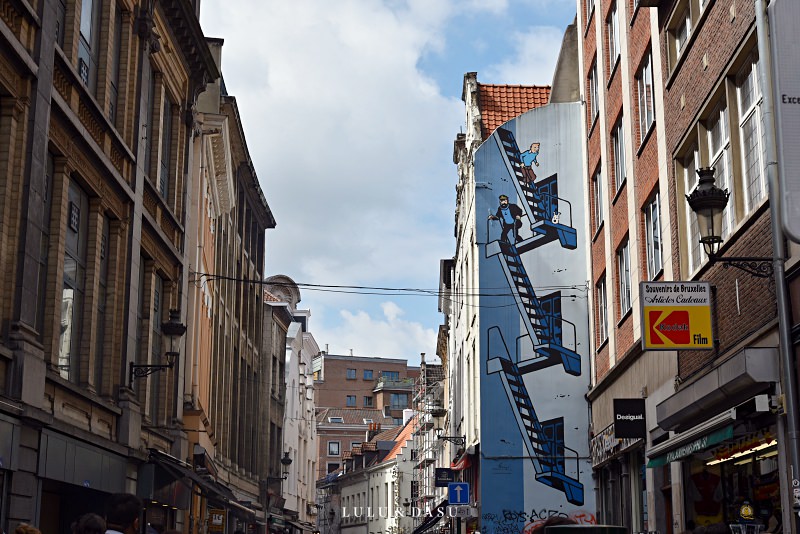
pixel 676 315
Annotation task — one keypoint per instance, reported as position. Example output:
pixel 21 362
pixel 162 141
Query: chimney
pixel 408 413
pixel 373 430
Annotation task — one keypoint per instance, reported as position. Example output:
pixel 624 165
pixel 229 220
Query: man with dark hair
pixel 510 216
pixel 122 513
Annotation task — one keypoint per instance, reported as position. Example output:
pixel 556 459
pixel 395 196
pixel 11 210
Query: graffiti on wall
pixel 521 522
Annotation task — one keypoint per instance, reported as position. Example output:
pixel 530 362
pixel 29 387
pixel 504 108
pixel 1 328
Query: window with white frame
pixel 612 29
pixel 719 143
pixel 333 448
pixel 594 105
pixel 652 228
pixel 644 84
pixel 589 10
pixel 683 28
pixel 618 148
pixel 751 133
pixel 690 182
pixel 602 311
pixel 597 189
pixel 624 272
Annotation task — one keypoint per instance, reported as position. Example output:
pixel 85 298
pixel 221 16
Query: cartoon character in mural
pixel 529 159
pixel 551 335
pixel 510 216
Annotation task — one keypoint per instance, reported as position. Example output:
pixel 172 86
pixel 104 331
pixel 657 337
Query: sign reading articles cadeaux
pixel 676 315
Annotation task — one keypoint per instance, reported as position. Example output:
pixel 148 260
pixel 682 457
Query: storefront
pixel 729 459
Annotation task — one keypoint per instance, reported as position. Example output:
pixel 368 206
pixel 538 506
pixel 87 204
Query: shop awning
pixel 708 434
pixel 432 518
pixel 462 462
pixel 300 526
pixel 751 371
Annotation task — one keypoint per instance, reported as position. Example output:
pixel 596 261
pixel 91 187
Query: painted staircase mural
pixel 552 336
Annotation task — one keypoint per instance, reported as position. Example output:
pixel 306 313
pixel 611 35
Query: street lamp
pixel 285 462
pixel 173 330
pixel 708 202
pixel 458 441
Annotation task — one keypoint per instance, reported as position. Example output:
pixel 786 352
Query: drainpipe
pixel 778 254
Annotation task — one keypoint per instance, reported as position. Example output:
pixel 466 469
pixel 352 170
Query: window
pixel 166 149
pixel 61 17
pixel 624 268
pixel 116 60
pixel 335 419
pixel 368 402
pixel 351 374
pixel 683 29
pixel 719 144
pixel 101 303
pixel 332 466
pixel 398 401
pixel 367 374
pixel 351 401
pixel 618 161
pixel 652 228
pixel 602 312
pixel 644 84
pixel 594 105
pixel 751 133
pixel 354 444
pixel 392 376
pixel 397 421
pixel 73 291
pixel 589 10
pixel 89 43
pixel 333 448
pixel 612 29
pixel 690 182
pixel 597 186
pixel 155 346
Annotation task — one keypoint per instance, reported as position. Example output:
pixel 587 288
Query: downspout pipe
pixel 792 408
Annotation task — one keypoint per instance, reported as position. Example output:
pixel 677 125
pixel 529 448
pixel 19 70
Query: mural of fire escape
pixel 553 337
pixel 544 440
pixel 544 208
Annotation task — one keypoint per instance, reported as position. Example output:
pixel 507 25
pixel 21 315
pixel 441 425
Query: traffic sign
pixel 458 493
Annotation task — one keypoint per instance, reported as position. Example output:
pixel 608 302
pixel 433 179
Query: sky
pixel 350 109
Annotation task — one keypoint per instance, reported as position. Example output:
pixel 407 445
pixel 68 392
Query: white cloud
pixel 533 59
pixel 388 335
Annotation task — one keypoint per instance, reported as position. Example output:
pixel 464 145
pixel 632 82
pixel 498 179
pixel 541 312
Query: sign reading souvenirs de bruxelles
pixel 676 315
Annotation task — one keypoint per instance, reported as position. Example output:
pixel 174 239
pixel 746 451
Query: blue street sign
pixel 458 493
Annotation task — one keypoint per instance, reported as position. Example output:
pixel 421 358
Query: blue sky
pixel 350 108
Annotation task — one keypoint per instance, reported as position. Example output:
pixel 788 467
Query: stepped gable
pixel 501 103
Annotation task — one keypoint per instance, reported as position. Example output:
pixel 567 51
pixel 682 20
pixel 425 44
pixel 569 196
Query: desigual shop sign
pixel 676 315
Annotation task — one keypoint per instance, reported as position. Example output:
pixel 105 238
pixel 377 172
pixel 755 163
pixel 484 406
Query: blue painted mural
pixel 534 323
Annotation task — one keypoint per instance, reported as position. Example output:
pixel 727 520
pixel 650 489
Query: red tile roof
pixel 402 438
pixel 501 103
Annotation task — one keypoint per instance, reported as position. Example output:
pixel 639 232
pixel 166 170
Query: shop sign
pixel 216 520
pixel 700 444
pixel 676 315
pixel 783 17
pixel 605 445
pixel 443 476
pixel 629 418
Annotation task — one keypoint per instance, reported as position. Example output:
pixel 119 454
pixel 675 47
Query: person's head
pixel 25 528
pixel 122 512
pixel 552 521
pixel 534 147
pixel 90 524
pixel 503 200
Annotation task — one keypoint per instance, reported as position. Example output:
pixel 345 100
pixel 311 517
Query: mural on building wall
pixel 533 279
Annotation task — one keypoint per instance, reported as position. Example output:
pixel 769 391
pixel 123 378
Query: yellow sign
pixel 216 520
pixel 676 315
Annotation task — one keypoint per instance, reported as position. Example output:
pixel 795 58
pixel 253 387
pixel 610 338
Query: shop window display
pixel 735 484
